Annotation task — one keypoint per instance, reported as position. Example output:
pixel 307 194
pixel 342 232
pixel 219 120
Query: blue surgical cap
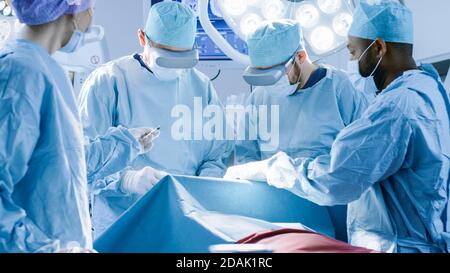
pixel 388 20
pixel 274 42
pixel 38 12
pixel 171 24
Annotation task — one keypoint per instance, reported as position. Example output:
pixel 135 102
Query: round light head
pixel 322 38
pixel 307 15
pixel 249 23
pixel 342 23
pixel 329 6
pixel 235 7
pixel 273 9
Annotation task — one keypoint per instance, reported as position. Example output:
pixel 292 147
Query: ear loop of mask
pixel 362 55
pixel 292 61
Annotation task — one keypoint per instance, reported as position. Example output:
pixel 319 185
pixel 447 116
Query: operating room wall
pixel 431 29
pixel 121 21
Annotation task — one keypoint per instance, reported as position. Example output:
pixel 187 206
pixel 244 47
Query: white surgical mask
pixel 76 41
pixel 162 73
pixel 283 87
pixel 165 74
pixel 365 85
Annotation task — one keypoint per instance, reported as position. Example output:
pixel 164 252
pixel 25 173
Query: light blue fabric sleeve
pixel 110 153
pixel 97 105
pixel 369 150
pixel 97 101
pixel 248 150
pixel 352 103
pixel 218 153
pixel 19 128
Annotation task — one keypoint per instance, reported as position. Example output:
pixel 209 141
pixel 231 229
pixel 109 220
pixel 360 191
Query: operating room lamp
pixel 325 22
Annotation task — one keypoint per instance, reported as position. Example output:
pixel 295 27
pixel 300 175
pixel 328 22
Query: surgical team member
pixel 315 101
pixel 42 181
pixel 43 187
pixel 392 165
pixel 135 91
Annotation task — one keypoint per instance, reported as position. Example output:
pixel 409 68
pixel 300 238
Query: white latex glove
pixel 145 137
pixel 254 171
pixel 279 171
pixel 140 182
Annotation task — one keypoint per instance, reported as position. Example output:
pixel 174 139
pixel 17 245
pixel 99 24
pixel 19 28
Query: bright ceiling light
pixel 322 38
pixel 273 9
pixel 325 23
pixel 342 23
pixel 235 7
pixel 307 15
pixel 249 23
pixel 329 6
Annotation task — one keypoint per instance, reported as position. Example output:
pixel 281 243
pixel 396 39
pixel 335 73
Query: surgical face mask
pixel 366 85
pixel 76 41
pixel 362 55
pixel 162 73
pixel 78 38
pixel 353 67
pixel 283 88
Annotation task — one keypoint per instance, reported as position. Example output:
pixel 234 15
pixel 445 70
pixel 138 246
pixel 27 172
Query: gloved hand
pixel 279 171
pixel 145 137
pixel 140 182
pixel 254 171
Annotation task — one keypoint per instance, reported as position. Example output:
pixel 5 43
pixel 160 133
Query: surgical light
pixel 329 6
pixel 235 7
pixel 273 9
pixel 325 23
pixel 342 23
pixel 249 23
pixel 5 9
pixel 322 39
pixel 307 15
pixel 253 2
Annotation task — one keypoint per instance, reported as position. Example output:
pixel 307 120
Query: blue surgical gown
pixel 309 120
pixel 392 167
pixel 124 92
pixel 51 104
pixel 110 153
pixel 43 188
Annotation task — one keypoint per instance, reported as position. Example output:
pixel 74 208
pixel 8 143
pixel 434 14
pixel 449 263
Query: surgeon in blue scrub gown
pixel 43 187
pixel 134 91
pixel 392 165
pixel 43 178
pixel 315 101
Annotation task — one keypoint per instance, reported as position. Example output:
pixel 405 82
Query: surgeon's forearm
pixel 110 153
pixel 324 187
